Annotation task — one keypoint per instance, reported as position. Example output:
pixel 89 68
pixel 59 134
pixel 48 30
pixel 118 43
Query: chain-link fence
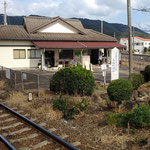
pixel 24 81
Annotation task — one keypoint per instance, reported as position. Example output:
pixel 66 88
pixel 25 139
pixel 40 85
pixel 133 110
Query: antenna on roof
pixel 5 16
pixel 101 26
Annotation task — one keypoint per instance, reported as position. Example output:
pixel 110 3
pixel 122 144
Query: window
pixel 66 54
pixel 19 53
pixel 34 54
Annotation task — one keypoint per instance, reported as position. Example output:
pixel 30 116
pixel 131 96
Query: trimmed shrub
pixel 147 73
pixel 73 80
pixel 136 79
pixel 119 90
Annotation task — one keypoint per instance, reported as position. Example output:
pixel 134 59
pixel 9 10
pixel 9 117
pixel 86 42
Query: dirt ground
pixel 89 127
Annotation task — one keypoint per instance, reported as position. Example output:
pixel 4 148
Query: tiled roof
pixel 142 38
pixel 15 32
pixel 11 32
pixel 33 23
pixel 124 39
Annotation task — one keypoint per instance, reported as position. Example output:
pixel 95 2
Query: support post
pixel 107 56
pixel 102 27
pixel 22 81
pixel 43 59
pixel 130 37
pixel 5 14
pixel 15 80
pixel 38 85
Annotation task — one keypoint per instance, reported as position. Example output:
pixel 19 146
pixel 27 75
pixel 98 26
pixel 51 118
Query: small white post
pixel 104 67
pixel 30 97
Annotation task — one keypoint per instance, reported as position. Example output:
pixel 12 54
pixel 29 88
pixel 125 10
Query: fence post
pixel 22 81
pixel 15 79
pixel 38 85
pixel 11 84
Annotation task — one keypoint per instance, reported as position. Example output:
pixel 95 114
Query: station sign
pixel 114 64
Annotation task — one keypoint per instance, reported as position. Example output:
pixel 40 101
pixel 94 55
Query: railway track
pixel 24 134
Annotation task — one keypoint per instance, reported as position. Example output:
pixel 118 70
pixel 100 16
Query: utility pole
pixel 130 37
pixel 133 34
pixel 102 27
pixel 5 15
pixel 114 34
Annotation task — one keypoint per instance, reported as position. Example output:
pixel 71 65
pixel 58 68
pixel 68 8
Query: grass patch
pixel 3 84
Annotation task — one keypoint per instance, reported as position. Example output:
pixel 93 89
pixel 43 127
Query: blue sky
pixel 113 11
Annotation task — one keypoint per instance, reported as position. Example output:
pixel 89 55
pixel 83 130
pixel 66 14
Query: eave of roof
pixel 76 45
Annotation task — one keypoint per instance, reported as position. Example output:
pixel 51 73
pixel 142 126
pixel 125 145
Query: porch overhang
pixel 76 45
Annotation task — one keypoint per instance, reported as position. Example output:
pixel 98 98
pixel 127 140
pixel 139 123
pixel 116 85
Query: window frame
pixel 19 50
pixel 29 57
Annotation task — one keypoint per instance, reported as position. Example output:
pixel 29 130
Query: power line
pixel 142 9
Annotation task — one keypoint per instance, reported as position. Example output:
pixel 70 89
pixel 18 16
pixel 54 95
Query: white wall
pixel 57 28
pixel 6 54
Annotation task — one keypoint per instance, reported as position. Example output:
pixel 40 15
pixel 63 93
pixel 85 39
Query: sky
pixel 112 11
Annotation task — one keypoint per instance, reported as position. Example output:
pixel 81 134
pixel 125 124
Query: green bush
pixel 138 118
pixel 60 104
pixel 136 79
pixel 73 80
pixel 120 120
pixel 119 90
pixel 69 111
pixel 141 116
pixel 147 73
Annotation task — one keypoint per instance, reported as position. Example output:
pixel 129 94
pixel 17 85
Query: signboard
pixel 104 73
pixel 104 66
pixel 114 64
pixel 24 76
pixel 7 73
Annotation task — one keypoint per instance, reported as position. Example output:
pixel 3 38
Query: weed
pixel 141 140
pixel 133 131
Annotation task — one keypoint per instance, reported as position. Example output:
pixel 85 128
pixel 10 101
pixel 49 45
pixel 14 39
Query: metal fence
pixel 24 81
pixel 139 61
pixel 136 57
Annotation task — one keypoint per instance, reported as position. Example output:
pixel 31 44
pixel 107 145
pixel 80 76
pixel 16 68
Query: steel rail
pixel 38 127
pixel 7 144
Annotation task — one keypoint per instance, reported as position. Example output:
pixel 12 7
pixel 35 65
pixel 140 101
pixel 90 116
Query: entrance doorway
pixel 49 58
pixel 94 56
